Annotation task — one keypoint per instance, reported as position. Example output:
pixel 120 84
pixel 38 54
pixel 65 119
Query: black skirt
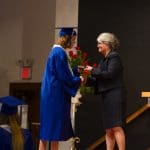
pixel 114 108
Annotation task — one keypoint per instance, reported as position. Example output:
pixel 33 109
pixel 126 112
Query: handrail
pixel 137 113
pixel 128 120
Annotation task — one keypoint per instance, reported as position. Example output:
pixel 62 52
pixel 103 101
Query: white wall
pixel 66 13
pixel 11 29
pixel 38 35
pixel 27 30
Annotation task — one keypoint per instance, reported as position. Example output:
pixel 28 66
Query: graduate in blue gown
pixel 59 84
pixel 12 137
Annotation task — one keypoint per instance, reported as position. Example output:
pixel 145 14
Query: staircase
pixel 133 117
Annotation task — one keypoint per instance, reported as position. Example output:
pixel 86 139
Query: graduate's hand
pixel 83 80
pixel 80 69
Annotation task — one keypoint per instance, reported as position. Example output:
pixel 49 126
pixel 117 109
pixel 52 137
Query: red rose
pixel 94 65
pixel 86 72
pixel 74 56
pixel 70 53
pixel 85 63
pixel 84 55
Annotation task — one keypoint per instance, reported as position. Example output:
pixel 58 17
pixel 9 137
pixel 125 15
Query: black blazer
pixel 109 73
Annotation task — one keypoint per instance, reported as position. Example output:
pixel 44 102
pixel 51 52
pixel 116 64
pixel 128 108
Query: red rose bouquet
pixel 79 60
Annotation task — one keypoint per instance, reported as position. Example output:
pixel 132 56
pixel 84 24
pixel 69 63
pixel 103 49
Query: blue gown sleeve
pixel 75 71
pixel 64 74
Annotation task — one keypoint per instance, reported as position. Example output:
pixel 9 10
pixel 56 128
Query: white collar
pixel 56 45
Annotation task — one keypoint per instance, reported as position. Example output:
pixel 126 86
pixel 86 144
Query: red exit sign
pixel 26 72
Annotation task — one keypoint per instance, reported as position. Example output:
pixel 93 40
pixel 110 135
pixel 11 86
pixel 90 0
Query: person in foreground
pixel 59 84
pixel 109 81
pixel 12 137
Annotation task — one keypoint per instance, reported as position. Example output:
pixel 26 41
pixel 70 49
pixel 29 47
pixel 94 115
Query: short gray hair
pixel 109 39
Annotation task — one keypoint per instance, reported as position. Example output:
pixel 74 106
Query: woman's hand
pixel 88 68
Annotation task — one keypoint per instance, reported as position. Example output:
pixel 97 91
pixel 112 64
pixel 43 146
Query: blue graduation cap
pixel 9 105
pixel 67 31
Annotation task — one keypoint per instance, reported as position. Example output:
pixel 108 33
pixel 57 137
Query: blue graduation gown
pixel 6 140
pixel 58 85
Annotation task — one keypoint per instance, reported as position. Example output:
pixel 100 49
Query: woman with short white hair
pixel 109 78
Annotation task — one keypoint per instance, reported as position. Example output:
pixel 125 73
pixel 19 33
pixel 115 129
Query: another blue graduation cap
pixel 9 105
pixel 67 31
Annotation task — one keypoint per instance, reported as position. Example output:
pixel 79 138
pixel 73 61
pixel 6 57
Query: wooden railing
pixel 128 120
